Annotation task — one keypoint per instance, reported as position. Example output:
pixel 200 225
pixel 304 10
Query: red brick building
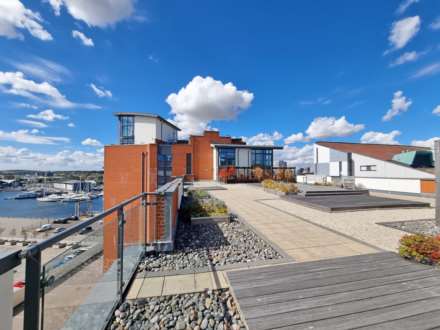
pixel 149 155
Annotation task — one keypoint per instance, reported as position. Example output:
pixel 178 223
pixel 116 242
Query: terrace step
pixel 317 193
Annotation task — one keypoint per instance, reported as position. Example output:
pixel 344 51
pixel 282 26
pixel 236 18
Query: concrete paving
pixel 310 234
pixel 300 239
pixel 177 284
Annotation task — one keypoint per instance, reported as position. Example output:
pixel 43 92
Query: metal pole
pixel 437 181
pixel 120 264
pixel 32 292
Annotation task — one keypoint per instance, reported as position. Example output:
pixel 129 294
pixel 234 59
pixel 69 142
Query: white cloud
pixel 403 31
pixel 204 100
pixel 263 139
pixel 24 105
pixel 48 115
pixel 23 158
pixel 100 91
pixel 436 110
pixel 56 5
pixel 405 58
pixel 404 5
pixel 43 69
pixel 25 136
pixel 381 138
pixel 100 13
pixel 399 104
pixel 14 16
pixel 32 123
pixel 324 127
pixel 81 36
pixel 71 125
pixel 298 137
pixel 91 142
pixel 318 101
pixel 15 83
pixel 295 156
pixel 436 24
pixel 429 70
pixel 425 143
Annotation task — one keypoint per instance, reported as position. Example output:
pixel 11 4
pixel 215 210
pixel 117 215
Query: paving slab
pixel 151 287
pixel 299 239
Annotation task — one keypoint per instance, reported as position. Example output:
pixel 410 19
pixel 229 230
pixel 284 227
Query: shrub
pixel 201 204
pixel 421 248
pixel 280 186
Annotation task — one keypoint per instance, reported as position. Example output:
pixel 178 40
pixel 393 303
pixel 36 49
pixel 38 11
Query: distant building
pixel 282 163
pixel 75 185
pixel 397 168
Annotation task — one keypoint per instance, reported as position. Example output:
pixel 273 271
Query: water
pixel 31 208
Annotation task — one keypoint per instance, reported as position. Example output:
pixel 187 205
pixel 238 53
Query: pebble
pixel 185 316
pixel 220 244
pixel 425 227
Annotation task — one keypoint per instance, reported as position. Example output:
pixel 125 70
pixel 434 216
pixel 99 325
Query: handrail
pixel 38 247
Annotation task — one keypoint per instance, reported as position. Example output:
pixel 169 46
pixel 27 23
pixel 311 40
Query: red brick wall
pixel 123 180
pixel 179 152
pixel 202 160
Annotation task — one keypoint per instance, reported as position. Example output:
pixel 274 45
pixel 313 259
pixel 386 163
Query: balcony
pixel 76 278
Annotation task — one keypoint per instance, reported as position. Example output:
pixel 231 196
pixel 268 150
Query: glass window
pixel 368 168
pixel 164 164
pixel 188 164
pixel 126 129
pixel 226 157
pixel 262 157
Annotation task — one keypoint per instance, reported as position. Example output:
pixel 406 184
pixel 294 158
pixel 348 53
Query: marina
pixel 35 208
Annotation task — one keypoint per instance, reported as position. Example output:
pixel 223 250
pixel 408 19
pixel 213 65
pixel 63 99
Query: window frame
pixel 368 168
pixel 231 160
pixel 126 129
pixel 265 154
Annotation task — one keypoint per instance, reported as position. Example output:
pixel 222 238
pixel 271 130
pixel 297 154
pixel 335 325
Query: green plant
pixel 421 248
pixel 280 186
pixel 201 204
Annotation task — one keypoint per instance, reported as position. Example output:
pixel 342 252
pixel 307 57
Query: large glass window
pixel 262 157
pixel 188 164
pixel 126 129
pixel 164 164
pixel 226 157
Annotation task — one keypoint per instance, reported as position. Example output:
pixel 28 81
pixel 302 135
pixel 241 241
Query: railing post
pixel 437 181
pixel 120 270
pixel 32 292
pixel 144 204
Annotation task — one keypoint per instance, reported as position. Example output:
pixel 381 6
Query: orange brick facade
pixel 132 169
pixel 201 151
pixel 129 170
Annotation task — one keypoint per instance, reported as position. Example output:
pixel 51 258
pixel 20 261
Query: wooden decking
pixel 374 291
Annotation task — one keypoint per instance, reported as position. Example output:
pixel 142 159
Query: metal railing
pixel 126 236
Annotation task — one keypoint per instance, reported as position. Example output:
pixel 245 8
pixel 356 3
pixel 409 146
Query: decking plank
pixel 321 274
pixel 272 319
pixel 312 265
pixel 416 315
pixel 311 283
pixel 344 297
pixel 380 291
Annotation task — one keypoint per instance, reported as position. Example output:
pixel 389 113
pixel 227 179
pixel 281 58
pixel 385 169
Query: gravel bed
pixel 214 310
pixel 218 244
pixel 425 227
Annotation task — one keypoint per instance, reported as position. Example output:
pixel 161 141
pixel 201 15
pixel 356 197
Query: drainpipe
pixel 437 181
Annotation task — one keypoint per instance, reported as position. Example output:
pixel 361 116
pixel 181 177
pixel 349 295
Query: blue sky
pixel 285 72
